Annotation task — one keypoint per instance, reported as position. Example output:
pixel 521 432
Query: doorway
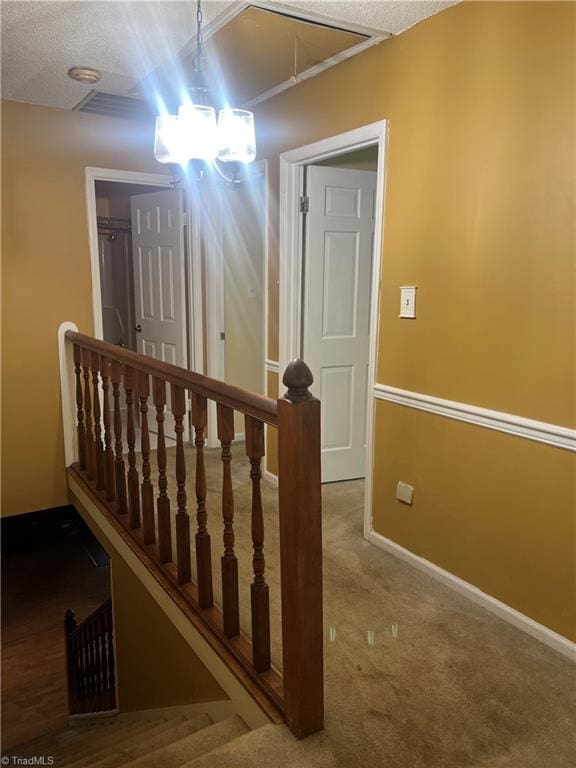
pixel 330 252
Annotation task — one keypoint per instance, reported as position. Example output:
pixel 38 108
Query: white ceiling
pixel 42 39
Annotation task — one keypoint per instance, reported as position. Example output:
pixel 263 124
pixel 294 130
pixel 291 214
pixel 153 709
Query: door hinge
pixel 222 336
pixel 304 204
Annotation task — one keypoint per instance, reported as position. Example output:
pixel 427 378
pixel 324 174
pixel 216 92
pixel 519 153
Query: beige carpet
pixel 416 675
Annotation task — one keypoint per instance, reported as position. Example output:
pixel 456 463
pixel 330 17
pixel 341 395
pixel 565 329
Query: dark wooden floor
pixel 44 572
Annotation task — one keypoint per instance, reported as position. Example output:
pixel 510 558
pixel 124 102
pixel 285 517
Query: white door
pixel 336 318
pixel 159 278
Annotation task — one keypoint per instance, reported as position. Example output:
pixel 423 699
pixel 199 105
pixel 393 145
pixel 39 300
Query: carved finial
pixel 69 621
pixel 297 377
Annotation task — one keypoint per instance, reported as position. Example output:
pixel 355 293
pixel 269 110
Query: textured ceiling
pixel 388 16
pixel 128 40
pixel 124 40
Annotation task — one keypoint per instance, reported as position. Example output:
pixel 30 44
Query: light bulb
pixel 168 145
pixel 198 131
pixel 236 136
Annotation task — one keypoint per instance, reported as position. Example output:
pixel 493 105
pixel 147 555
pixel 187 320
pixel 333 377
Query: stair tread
pixel 263 747
pixel 66 734
pixel 186 749
pixel 159 736
pixel 95 741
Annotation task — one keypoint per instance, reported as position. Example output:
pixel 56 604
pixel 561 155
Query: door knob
pixel 138 328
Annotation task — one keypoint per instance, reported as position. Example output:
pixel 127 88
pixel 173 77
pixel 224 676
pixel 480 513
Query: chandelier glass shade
pixel 196 134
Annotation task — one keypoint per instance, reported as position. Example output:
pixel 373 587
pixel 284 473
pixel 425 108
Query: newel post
pixel 301 551
pixel 68 393
pixel 69 627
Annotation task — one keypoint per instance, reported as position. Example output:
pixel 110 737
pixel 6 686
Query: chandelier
pixel 196 134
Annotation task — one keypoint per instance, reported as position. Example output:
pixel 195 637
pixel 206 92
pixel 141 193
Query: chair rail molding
pixel 519 426
pixel 272 366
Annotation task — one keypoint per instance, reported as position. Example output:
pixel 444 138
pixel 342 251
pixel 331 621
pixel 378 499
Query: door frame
pixel 193 258
pixel 291 245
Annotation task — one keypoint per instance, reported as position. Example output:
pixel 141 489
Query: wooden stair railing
pixel 90 666
pixel 119 474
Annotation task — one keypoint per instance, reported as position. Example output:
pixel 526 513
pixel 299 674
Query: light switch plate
pixel 404 492
pixel 407 301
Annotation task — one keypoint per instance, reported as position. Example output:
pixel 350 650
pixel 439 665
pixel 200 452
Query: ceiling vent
pixel 112 105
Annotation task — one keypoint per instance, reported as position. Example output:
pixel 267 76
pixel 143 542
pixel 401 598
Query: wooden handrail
pixel 154 506
pixel 258 406
pixel 106 607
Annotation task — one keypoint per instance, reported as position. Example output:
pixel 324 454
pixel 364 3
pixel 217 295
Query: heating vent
pixel 111 105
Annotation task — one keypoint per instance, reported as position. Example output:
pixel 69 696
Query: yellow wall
pixel 163 671
pixel 493 509
pixel 46 278
pixel 479 215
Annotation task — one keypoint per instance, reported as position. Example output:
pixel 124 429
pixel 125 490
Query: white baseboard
pixel 511 615
pixel 271 478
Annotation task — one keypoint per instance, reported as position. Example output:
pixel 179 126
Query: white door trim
pixel 290 268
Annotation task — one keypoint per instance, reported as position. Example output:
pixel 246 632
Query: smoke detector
pixel 85 75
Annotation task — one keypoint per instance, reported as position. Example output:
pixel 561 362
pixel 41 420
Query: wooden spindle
pixel 111 659
pixel 163 501
pixel 229 563
pixel 97 664
pixel 109 480
pixel 91 666
pixel 258 589
pixel 98 445
pixel 202 538
pixel 81 656
pixel 71 661
pixel 119 469
pixel 104 698
pixel 133 481
pixel 148 528
pixel 182 519
pixel 80 431
pixel 77 672
pixel 300 515
pixel 88 435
